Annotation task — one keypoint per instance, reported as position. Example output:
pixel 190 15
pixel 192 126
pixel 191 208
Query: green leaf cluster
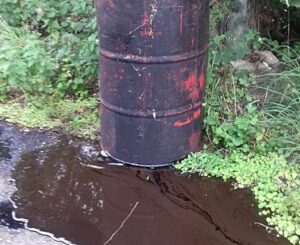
pixel 61 35
pixel 274 182
pixel 252 129
pixel 25 63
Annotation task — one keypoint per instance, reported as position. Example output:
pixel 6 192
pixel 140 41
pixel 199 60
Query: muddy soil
pixel 57 187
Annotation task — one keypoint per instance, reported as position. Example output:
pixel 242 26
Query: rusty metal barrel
pixel 152 74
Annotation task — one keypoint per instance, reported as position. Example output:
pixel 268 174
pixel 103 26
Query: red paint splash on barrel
pixel 197 114
pixel 146 26
pixel 180 123
pixel 146 18
pixel 189 119
pixel 145 33
pixel 191 85
pixel 201 81
pixel 109 2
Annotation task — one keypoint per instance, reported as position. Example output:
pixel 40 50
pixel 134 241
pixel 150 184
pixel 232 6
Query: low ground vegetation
pixel 252 128
pixel 48 64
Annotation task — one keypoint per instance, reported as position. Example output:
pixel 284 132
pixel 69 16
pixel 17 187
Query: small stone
pixel 268 57
pixel 243 65
pixel 263 67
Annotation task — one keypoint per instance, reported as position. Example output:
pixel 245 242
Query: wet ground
pixel 55 189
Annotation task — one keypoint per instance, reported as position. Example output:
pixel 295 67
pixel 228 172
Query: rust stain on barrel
pixel 191 85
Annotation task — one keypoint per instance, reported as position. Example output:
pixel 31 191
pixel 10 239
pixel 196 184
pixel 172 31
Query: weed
pixel 254 142
pixel 65 31
pixel 280 110
pixel 274 182
pixel 25 63
pixel 79 117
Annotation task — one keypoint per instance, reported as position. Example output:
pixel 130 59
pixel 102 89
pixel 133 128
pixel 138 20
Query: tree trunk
pixel 243 17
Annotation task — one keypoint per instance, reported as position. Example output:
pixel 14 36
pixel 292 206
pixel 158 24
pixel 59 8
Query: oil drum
pixel 152 73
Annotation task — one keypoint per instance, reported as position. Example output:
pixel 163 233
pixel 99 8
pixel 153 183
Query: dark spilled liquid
pixel 63 189
pixel 130 206
pixel 6 219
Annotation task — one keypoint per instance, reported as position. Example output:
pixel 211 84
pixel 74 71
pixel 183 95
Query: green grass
pixel 78 117
pixel 281 108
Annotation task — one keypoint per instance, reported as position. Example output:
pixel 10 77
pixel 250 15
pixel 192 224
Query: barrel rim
pixel 161 165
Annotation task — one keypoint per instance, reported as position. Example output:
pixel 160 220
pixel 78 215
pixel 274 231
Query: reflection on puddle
pixel 6 218
pixel 128 206
pixel 4 151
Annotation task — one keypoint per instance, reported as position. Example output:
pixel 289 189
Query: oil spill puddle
pixel 6 218
pixel 63 189
pixel 119 205
pixel 4 151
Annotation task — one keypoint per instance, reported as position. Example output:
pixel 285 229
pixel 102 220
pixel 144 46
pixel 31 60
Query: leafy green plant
pixel 254 142
pixel 234 117
pixel 25 63
pixel 223 52
pixel 231 118
pixel 219 12
pixel 274 182
pixel 68 31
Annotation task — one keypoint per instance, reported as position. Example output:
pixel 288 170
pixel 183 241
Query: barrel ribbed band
pixel 130 58
pixel 151 113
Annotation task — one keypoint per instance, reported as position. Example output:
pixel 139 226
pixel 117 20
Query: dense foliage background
pixel 50 44
pixel 48 64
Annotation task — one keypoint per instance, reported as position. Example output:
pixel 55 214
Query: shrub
pixel 26 65
pixel 274 182
pixel 68 30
